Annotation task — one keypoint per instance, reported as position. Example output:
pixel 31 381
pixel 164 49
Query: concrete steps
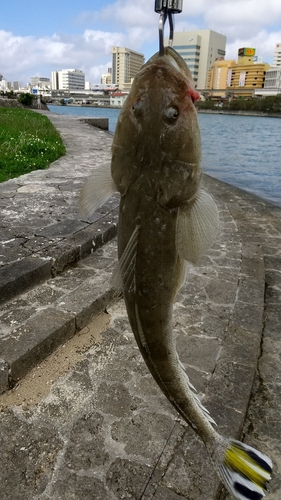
pixel 41 305
pixel 36 321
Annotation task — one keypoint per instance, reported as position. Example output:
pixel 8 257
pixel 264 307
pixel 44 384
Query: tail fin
pixel 245 471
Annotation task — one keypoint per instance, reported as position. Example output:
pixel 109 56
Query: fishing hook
pixel 166 9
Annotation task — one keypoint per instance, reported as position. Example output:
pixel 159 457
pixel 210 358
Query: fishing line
pixel 158 460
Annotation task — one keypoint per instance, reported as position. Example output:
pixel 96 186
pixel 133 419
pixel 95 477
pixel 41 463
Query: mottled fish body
pixel 166 220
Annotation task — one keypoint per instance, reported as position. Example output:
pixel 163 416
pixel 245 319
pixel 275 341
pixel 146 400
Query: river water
pixel 244 151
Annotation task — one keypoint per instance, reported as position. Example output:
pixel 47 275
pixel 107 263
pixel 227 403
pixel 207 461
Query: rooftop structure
pixel 246 55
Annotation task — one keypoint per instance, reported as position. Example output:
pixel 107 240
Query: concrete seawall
pixel 88 419
pixel 220 111
pixel 14 103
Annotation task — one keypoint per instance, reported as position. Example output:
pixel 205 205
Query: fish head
pixel 157 137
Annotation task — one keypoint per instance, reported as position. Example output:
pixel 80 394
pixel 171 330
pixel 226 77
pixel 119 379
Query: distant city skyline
pixel 36 39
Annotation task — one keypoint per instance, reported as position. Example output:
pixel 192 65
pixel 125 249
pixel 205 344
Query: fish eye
pixel 137 107
pixel 171 114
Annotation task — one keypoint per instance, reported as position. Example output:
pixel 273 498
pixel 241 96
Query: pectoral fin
pixel 97 190
pixel 197 227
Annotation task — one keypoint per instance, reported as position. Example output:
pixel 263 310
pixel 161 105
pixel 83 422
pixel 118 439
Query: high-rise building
pixel 199 49
pixel 68 79
pixel 277 55
pixel 126 64
pixel 17 85
pixel 40 81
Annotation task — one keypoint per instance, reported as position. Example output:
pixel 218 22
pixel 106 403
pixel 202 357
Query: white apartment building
pixel 272 82
pixel 277 55
pixel 200 49
pixel 273 78
pixel 126 64
pixel 68 79
pixel 5 85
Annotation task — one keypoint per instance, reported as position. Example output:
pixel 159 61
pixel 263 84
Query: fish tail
pixel 243 469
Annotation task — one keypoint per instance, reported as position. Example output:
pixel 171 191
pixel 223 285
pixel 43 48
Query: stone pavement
pixel 88 422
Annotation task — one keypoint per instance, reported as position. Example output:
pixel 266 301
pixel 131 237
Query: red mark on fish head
pixel 190 91
pixel 195 96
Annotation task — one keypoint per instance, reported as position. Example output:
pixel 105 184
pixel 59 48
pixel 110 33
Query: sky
pixel 37 38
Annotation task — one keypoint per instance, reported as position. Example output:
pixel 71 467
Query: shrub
pixel 26 99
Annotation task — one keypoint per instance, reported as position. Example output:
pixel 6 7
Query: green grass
pixel 28 141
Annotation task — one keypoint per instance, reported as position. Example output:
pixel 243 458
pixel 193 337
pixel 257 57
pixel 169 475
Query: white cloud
pixel 24 57
pixel 94 73
pixel 242 13
pixel 134 25
pixel 263 42
pixel 101 42
pixel 125 13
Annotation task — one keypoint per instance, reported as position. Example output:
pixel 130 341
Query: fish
pixel 167 221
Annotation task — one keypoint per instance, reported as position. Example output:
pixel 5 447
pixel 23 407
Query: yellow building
pixel 246 78
pixel 217 77
pixel 237 79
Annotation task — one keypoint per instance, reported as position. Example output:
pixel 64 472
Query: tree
pixel 26 99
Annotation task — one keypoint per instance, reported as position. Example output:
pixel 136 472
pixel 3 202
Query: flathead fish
pixel 165 221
